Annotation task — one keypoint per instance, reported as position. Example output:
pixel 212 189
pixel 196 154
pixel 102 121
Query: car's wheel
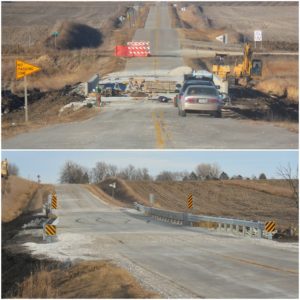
pixel 218 114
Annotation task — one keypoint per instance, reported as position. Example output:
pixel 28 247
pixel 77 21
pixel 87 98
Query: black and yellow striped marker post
pixel 54 201
pixel 270 226
pixel 190 201
pixel 50 230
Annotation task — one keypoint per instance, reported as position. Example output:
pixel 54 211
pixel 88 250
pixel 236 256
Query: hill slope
pixel 260 200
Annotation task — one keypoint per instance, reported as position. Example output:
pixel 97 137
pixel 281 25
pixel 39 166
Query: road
pixel 152 125
pixel 179 262
pixel 165 47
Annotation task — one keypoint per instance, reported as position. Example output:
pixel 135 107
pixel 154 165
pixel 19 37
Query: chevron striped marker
pixel 50 230
pixel 190 201
pixel 270 226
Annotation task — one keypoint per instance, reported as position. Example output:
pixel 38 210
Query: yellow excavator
pixel 249 68
pixel 4 169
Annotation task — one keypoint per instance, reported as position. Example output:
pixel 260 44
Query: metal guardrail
pixel 241 227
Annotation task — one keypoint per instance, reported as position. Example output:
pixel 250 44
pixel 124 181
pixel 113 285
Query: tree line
pixel 72 172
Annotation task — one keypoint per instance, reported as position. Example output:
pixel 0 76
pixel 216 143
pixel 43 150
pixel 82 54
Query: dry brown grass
pixel 92 279
pixel 21 196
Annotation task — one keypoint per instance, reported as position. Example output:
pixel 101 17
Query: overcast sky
pixel 246 163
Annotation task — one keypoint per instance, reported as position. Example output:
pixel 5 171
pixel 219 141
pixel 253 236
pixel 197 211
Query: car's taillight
pixel 212 100
pixel 190 100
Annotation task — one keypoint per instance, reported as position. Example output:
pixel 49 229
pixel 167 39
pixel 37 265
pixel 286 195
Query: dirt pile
pixel 43 110
pixel 73 35
pixel 250 200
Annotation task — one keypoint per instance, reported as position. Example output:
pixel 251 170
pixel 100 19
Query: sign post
pixel 22 70
pixel 257 37
pixel 113 186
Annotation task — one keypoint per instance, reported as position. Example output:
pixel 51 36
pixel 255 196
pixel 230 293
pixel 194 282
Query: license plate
pixel 202 101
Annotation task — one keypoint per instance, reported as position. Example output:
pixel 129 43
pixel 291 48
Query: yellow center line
pixel 251 262
pixel 158 131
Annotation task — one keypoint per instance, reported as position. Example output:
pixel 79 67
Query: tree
pixel 73 173
pixel 262 176
pixel 99 172
pixel 13 169
pixel 165 176
pixel 207 171
pixel 193 176
pixel 287 174
pixel 224 176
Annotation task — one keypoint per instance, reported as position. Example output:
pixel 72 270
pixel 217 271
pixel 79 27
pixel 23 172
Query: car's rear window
pixel 202 90
pixel 185 85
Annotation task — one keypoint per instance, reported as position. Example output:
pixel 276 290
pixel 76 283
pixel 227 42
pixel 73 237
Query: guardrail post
pixel 251 231
pixel 244 230
pixel 219 226
pixel 185 221
pixel 231 228
pixel 259 233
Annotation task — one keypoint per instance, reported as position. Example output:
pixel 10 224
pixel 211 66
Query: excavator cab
pixel 256 69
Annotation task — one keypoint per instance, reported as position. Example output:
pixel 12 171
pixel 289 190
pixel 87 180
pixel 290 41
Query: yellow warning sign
pixel 50 229
pixel 270 226
pixel 23 68
pixel 54 200
pixel 190 201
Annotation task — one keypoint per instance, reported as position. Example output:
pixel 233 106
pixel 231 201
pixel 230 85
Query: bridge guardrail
pixel 236 226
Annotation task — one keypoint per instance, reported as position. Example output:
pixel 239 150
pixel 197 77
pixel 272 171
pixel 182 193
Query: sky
pixel 246 163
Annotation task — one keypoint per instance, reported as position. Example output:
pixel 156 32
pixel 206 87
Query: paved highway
pixel 150 125
pixel 165 47
pixel 178 262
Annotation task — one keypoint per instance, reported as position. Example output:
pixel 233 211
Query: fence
pixel 240 227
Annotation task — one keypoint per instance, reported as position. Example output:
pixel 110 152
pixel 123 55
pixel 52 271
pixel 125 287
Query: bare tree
pixel 165 176
pixel 287 174
pixel 112 170
pixel 99 172
pixel 207 171
pixel 73 173
pixel 13 169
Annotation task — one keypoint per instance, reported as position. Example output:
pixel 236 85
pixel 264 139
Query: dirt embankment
pixel 43 110
pixel 251 200
pixel 21 196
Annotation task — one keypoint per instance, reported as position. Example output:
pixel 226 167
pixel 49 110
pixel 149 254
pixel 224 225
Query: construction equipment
pixel 249 68
pixel 4 169
pixel 220 68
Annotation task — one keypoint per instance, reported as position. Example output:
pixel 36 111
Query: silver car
pixel 201 99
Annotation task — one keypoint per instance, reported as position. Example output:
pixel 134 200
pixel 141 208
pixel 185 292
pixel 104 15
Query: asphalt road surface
pixel 164 43
pixel 177 261
pixel 153 125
